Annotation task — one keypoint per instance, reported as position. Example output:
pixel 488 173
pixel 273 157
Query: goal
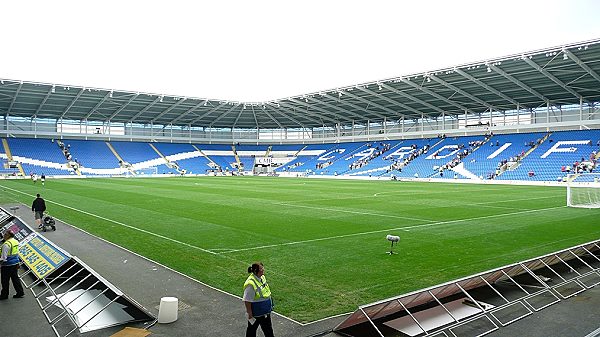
pixel 583 190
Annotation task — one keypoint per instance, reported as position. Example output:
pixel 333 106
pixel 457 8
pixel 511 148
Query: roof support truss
pixel 389 100
pixel 72 103
pixel 359 116
pixel 517 82
pixel 15 98
pixel 189 111
pixel 369 103
pixel 293 119
pixel 195 120
pixel 92 110
pixel 582 64
pixel 146 108
pixel 325 112
pixel 223 115
pixel 168 109
pixel 43 102
pixel 487 87
pixel 133 97
pixel 438 96
pixel 550 76
pixel 412 98
pixel 274 119
pixel 462 92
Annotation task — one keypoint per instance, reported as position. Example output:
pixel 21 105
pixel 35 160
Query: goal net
pixel 583 190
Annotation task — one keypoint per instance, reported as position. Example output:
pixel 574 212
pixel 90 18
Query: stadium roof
pixel 557 76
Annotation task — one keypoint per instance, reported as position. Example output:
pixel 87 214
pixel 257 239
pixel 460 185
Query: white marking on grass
pixel 353 212
pixel 122 224
pixel 390 229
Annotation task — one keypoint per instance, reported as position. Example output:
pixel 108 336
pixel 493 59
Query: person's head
pixel 257 269
pixel 38 195
pixel 8 234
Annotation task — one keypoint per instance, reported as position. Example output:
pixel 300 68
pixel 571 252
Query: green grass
pixel 323 241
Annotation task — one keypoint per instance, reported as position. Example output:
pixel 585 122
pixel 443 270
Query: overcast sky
pixel 256 51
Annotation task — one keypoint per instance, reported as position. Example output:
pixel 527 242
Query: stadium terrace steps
pixel 10 158
pixel 161 155
pixel 220 155
pixel 308 157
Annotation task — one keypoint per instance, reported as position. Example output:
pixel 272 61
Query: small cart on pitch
pixel 47 223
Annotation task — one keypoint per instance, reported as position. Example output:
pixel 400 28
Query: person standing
pixel 257 300
pixel 38 208
pixel 10 266
pixel 43 179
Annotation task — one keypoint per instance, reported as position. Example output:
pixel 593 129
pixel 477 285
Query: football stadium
pixel 460 201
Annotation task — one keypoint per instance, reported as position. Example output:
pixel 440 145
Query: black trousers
pixel 10 273
pixel 265 325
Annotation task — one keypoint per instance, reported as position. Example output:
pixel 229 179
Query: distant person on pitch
pixel 38 208
pixel 257 300
pixel 9 270
pixel 43 179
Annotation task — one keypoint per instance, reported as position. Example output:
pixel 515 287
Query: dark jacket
pixel 38 205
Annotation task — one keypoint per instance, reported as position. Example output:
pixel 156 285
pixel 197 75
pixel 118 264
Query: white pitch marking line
pixel 352 212
pixel 390 229
pixel 122 224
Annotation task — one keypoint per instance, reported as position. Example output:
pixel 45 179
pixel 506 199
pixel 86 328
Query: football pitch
pixel 322 240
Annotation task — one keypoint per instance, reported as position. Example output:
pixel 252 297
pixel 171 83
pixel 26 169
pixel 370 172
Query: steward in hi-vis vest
pixel 9 266
pixel 12 257
pixel 262 303
pixel 258 302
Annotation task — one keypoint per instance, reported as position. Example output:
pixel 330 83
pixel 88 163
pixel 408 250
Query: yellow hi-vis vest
pixel 13 255
pixel 260 286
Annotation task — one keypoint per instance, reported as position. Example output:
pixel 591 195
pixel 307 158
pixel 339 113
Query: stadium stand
pixel 185 156
pixel 93 155
pixel 220 155
pixel 335 161
pixel 558 150
pixel 39 156
pixel 306 158
pixel 487 161
pixel 508 157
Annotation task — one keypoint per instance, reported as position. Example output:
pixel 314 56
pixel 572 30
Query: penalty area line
pixel 121 224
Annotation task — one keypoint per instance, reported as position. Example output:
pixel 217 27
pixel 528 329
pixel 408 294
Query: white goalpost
pixel 583 190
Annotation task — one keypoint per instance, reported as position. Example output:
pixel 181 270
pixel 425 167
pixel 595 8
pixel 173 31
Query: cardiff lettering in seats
pixel 330 154
pixel 439 153
pixel 557 147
